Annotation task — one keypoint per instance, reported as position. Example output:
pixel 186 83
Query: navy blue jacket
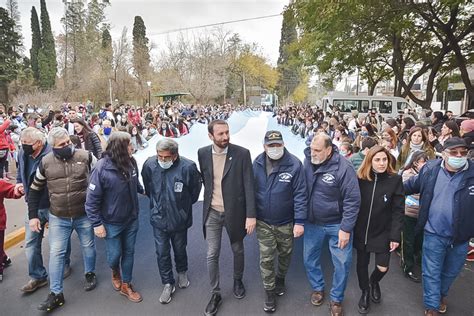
pixel 112 198
pixel 172 193
pixel 27 179
pixel 333 191
pixel 281 197
pixel 463 208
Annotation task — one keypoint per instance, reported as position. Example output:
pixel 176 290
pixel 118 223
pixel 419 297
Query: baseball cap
pixel 454 142
pixel 273 137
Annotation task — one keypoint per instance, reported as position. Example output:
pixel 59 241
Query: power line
pixel 214 24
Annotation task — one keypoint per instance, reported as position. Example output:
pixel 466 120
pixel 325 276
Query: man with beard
pixel 229 202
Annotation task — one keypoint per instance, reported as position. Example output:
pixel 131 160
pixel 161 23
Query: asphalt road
pixel 400 296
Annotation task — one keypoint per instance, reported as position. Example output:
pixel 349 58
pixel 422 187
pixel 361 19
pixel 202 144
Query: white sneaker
pixel 168 290
pixel 183 281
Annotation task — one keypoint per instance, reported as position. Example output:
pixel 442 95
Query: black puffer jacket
pixel 381 212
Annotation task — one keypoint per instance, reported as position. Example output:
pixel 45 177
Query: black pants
pixel 3 163
pixel 363 260
pixel 412 244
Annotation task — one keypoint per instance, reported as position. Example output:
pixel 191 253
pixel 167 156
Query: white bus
pixel 386 106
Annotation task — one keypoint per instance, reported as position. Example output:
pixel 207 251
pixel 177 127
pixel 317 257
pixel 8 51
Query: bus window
pixel 364 106
pixel 401 106
pixel 384 107
pixel 346 105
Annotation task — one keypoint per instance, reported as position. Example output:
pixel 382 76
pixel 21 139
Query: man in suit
pixel 229 201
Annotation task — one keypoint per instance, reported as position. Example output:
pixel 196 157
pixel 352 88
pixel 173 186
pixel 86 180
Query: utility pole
pixel 244 89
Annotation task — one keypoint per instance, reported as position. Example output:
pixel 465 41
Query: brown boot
pixel 317 298
pixel 116 280
pixel 335 308
pixel 443 305
pixel 128 291
pixel 431 312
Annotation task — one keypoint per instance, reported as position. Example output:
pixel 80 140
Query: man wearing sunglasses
pixel 446 190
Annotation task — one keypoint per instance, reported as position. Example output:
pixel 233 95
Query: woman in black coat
pixel 379 222
pixel 89 140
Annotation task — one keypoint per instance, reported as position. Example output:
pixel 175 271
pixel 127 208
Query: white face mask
pixel 165 164
pixel 275 153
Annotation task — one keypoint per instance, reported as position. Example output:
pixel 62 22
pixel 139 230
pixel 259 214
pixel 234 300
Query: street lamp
pixel 148 83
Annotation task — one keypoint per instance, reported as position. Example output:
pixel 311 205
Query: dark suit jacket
pixel 237 188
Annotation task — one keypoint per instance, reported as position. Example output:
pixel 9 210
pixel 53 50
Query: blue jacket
pixel 424 184
pixel 112 198
pixel 27 179
pixel 172 193
pixel 333 191
pixel 281 197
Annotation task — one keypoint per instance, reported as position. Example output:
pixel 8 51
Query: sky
pixel 164 15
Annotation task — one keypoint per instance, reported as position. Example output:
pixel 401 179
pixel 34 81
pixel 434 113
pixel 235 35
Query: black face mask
pixel 28 149
pixel 65 152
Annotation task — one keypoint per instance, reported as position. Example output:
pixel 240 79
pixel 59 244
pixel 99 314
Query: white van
pixel 386 106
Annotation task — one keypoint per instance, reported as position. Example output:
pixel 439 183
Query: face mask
pixel 343 153
pixel 65 152
pixel 39 125
pixel 27 149
pixel 364 134
pixel 1 121
pixel 457 162
pixel 107 130
pixel 165 164
pixel 134 133
pixel 152 131
pixel 275 153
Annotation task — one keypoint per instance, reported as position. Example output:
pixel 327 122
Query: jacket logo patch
pixel 285 177
pixel 92 186
pixel 328 178
pixel 178 187
pixel 471 190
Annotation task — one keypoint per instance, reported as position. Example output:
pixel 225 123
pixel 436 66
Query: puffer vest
pixel 67 182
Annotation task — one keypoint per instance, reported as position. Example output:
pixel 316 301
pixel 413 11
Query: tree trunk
pixel 3 92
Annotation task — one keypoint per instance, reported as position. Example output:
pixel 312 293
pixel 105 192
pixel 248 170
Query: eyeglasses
pixel 458 152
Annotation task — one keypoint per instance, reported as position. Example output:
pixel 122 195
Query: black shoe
pixel 239 289
pixel 213 305
pixel 90 282
pixel 280 286
pixel 52 302
pixel 364 302
pixel 7 262
pixel 375 294
pixel 413 277
pixel 269 306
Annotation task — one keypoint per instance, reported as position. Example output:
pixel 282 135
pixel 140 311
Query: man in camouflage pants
pixel 281 199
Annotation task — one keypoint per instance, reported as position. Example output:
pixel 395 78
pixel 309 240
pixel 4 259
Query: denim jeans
pixel 163 242
pixel 120 247
pixel 33 241
pixel 441 264
pixel 60 230
pixel 214 225
pixel 314 236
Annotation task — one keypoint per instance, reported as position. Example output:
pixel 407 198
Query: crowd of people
pixel 378 185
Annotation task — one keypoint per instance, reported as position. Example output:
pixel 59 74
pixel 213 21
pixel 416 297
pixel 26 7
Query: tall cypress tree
pixel 141 55
pixel 35 43
pixel 47 63
pixel 288 64
pixel 9 65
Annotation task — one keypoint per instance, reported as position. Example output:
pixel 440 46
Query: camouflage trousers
pixel 273 241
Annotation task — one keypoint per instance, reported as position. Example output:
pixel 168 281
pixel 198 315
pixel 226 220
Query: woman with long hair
pixel 112 207
pixel 449 129
pixel 392 140
pixel 405 127
pixel 379 222
pixel 416 140
pixel 89 140
pixel 412 242
pixel 137 140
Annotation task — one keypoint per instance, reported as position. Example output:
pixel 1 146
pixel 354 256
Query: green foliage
pixel 141 55
pixel 9 38
pixel 35 43
pixel 47 63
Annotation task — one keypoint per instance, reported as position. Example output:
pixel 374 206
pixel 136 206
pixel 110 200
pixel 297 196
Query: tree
pixel 47 63
pixel 8 56
pixel 141 54
pixel 288 62
pixel 12 7
pixel 35 43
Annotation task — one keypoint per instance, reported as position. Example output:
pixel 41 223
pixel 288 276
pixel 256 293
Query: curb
pixel 14 238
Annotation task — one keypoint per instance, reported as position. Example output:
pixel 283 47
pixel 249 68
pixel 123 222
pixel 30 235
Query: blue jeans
pixel 60 230
pixel 163 242
pixel 314 236
pixel 120 247
pixel 33 241
pixel 441 264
